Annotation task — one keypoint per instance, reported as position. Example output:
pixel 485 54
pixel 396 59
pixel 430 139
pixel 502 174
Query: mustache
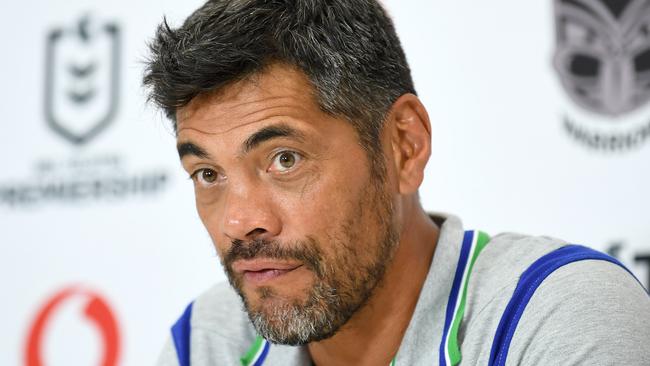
pixel 305 251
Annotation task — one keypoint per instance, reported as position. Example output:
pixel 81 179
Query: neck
pixel 373 335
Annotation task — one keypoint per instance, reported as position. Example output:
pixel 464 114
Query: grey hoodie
pixel 589 312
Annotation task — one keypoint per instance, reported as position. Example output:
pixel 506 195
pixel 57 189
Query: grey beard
pixel 298 324
pixel 329 303
pixel 341 288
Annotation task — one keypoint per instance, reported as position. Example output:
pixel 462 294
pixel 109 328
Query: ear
pixel 410 131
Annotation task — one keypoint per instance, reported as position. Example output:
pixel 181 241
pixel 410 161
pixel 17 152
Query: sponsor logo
pixel 82 79
pixel 81 98
pixel 602 58
pixel 95 311
pixel 104 178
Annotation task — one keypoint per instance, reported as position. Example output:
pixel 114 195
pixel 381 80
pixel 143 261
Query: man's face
pixel 303 227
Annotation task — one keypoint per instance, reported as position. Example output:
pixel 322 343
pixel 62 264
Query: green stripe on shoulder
pixel 480 242
pixel 247 359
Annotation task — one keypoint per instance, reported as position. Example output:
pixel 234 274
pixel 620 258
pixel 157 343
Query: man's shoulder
pixel 214 328
pixel 220 311
pixel 573 299
pixel 496 272
pixel 221 333
pixel 504 259
pixel 509 254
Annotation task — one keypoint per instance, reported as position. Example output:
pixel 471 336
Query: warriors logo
pixel 81 85
pixel 603 60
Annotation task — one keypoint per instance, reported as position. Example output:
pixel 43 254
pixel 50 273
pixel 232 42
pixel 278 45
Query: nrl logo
pixel 602 58
pixel 81 79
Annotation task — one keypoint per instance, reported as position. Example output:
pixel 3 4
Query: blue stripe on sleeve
pixel 181 335
pixel 528 283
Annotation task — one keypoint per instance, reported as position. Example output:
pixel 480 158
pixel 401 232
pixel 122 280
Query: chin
pixel 313 315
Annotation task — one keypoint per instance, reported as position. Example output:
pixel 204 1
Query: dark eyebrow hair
pixel 254 140
pixel 189 148
pixel 268 133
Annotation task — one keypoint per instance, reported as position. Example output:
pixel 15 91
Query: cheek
pixel 204 213
pixel 210 219
pixel 329 205
pixel 205 204
pixel 206 197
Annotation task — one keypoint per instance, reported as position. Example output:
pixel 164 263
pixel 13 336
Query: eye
pixel 285 161
pixel 642 61
pixel 205 177
pixel 584 65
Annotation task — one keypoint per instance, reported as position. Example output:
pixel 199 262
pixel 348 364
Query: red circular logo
pixel 95 310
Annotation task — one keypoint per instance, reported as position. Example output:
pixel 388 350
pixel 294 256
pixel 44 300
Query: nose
pixel 249 214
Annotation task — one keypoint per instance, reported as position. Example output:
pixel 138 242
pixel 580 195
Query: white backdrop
pixel 113 217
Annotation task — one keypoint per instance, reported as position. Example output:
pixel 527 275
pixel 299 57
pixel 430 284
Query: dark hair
pixel 348 49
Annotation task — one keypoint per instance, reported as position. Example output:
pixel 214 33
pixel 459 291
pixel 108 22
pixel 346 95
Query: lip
pixel 261 264
pixel 261 271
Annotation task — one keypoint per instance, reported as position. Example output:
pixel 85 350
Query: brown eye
pixel 208 175
pixel 285 161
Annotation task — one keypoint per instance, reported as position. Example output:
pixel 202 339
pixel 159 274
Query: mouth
pixel 263 271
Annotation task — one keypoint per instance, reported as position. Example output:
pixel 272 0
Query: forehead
pixel 279 90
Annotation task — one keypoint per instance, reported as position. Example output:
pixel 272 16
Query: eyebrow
pixel 269 133
pixel 188 148
pixel 254 140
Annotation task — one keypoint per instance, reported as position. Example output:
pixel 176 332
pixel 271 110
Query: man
pixel 299 124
